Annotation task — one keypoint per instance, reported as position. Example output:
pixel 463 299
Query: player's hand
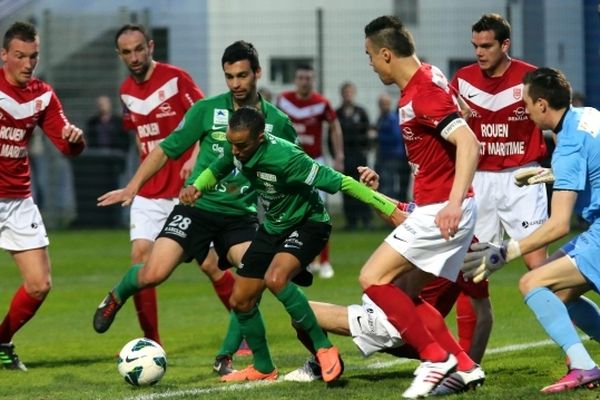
pixel 188 195
pixel 369 177
pixel 533 176
pixel 123 196
pixel 72 134
pixel 447 219
pixel 187 168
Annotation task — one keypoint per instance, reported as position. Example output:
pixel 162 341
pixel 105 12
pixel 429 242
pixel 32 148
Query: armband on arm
pixel 206 180
pixel 363 193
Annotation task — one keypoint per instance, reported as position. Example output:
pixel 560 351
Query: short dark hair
pixel 495 23
pixel 132 27
pixel 388 31
pixel 241 50
pixel 19 30
pixel 304 67
pixel 250 118
pixel 549 84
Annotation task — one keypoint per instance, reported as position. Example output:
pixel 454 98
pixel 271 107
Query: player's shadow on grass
pixel 381 376
pixel 69 362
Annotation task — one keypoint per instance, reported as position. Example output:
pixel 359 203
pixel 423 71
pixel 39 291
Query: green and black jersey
pixel 206 122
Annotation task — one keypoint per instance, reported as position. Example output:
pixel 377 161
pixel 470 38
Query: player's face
pixel 136 53
pixel 377 60
pixel 535 110
pixel 241 81
pixel 20 60
pixel 491 55
pixel 243 145
pixel 304 81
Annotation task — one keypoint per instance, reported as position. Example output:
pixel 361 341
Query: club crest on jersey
pixel 161 95
pixel 220 116
pixel 517 93
pixel 38 105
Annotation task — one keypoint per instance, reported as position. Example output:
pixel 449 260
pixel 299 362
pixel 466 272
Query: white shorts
pixel 370 329
pixel 148 216
pixel 21 225
pixel 420 241
pixel 503 207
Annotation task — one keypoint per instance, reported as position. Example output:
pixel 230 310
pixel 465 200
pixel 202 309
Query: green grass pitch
pixel 68 360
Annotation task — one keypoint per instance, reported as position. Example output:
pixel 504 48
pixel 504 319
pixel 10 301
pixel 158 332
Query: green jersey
pixel 206 122
pixel 286 179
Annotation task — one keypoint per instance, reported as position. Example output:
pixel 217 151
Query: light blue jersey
pixel 576 167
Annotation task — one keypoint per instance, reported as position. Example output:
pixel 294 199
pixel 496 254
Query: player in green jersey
pixel 226 215
pixel 295 229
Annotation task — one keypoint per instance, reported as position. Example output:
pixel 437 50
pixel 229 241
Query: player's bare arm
pixel 337 140
pixel 72 134
pixel 188 166
pixel 467 157
pixel 151 165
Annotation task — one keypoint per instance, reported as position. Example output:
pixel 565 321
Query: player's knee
pixel 149 277
pixel 365 280
pixel 276 280
pixel 527 283
pixel 39 289
pixel 241 304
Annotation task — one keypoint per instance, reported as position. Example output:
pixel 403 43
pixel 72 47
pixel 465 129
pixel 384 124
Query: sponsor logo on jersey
pixel 220 116
pixel 527 224
pixel 165 111
pixel 518 114
pixel 265 176
pixel 268 128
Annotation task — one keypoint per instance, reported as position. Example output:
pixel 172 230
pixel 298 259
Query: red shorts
pixel 442 293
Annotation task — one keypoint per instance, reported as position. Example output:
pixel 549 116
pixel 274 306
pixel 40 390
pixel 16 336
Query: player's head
pixel 242 70
pixel 546 90
pixel 490 37
pixel 386 37
pixel 304 80
pixel 20 52
pixel 245 132
pixel 135 47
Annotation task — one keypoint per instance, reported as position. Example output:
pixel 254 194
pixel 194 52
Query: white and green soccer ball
pixel 142 362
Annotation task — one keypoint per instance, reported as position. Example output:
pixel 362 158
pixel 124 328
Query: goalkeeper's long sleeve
pixel 206 180
pixel 361 192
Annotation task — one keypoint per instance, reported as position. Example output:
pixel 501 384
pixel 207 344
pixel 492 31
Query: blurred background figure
pixel 390 162
pixel 105 129
pixel 266 94
pixel 354 122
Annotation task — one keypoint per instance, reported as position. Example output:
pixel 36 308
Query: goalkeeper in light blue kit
pixel 295 229
pixel 574 270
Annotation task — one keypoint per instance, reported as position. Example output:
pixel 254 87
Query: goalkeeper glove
pixel 486 258
pixel 533 175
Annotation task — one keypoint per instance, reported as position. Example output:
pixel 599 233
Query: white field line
pixel 171 394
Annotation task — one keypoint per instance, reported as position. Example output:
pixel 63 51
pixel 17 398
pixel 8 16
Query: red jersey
pixel 508 137
pixel 308 115
pixel 426 108
pixel 21 109
pixel 154 108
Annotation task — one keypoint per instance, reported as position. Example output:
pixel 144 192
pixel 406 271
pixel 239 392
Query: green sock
pixel 297 306
pixel 253 329
pixel 129 284
pixel 233 338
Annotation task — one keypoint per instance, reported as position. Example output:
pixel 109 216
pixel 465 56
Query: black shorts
pixel 194 229
pixel 305 241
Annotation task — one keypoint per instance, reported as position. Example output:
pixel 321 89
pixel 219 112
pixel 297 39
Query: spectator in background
pixel 105 129
pixel 354 122
pixel 266 94
pixel 391 163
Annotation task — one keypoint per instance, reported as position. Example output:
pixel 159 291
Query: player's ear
pixel 386 54
pixel 258 73
pixel 151 47
pixel 505 45
pixel 3 54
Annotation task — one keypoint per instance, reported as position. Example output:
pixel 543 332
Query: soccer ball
pixel 142 362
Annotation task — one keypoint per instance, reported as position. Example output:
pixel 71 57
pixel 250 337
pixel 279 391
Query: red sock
pixel 22 308
pixel 402 313
pixel 434 322
pixel 324 257
pixel 466 320
pixel 146 307
pixel 224 287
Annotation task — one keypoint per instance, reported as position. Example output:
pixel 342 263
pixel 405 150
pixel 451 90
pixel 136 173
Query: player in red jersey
pixel 155 98
pixel 308 110
pixel 433 240
pixel 25 102
pixel 492 89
